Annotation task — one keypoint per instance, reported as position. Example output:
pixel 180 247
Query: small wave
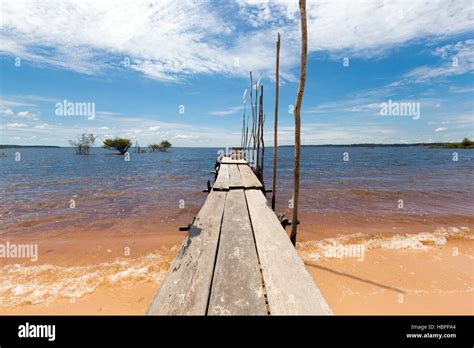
pixel 43 284
pixel 315 250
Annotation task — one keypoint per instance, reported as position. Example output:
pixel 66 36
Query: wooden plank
pixel 237 285
pixel 222 181
pixel 249 179
pixel 235 180
pixel 290 288
pixel 187 285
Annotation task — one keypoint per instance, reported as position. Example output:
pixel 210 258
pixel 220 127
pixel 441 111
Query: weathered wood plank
pixel 235 180
pixel 249 179
pixel 222 181
pixel 290 288
pixel 237 285
pixel 186 288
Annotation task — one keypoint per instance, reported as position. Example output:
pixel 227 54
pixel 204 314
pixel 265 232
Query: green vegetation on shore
pixel 464 144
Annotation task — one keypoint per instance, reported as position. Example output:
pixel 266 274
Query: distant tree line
pixel 464 144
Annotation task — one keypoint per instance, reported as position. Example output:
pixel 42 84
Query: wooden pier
pixel 237 258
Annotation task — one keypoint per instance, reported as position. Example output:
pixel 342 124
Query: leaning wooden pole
pixel 299 98
pixel 275 128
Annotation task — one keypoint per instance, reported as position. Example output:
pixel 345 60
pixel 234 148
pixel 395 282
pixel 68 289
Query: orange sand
pixel 388 281
pixel 400 281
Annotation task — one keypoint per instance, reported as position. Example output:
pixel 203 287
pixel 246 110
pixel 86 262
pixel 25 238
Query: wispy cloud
pixel 42 126
pixel 7 112
pixel 171 40
pixel 16 125
pixel 229 111
pixel 458 59
pixel 454 89
pixel 28 115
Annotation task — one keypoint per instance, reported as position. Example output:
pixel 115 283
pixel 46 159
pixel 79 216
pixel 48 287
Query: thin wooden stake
pixel 275 128
pixel 262 143
pixel 243 141
pixel 259 124
pixel 257 130
pixel 243 131
pixel 299 97
pixel 253 117
pixel 263 147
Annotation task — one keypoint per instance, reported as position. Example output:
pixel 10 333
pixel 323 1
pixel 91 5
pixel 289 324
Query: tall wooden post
pixel 262 144
pixel 253 120
pixel 299 98
pixel 246 123
pixel 257 133
pixel 275 128
pixel 243 130
pixel 243 141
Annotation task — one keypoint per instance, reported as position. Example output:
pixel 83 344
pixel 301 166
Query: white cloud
pixel 364 24
pixel 27 115
pixel 458 59
pixel 454 89
pixel 372 107
pixel 154 128
pixel 170 40
pixel 441 129
pixel 36 98
pixel 7 112
pixel 229 111
pixel 42 126
pixel 185 136
pixel 11 103
pixel 16 125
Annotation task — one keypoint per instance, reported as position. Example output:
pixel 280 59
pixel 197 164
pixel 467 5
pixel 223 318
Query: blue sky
pixel 197 55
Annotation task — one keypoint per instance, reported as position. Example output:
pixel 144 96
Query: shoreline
pixel 120 284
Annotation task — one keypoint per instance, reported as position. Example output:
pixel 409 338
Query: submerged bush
pixel 120 144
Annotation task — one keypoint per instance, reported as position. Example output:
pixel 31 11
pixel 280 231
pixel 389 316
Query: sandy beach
pixel 118 272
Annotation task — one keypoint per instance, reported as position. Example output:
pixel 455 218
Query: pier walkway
pixel 237 259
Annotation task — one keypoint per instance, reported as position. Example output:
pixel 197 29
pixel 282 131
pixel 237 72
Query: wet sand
pixel 422 273
pixel 400 281
pixel 90 271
